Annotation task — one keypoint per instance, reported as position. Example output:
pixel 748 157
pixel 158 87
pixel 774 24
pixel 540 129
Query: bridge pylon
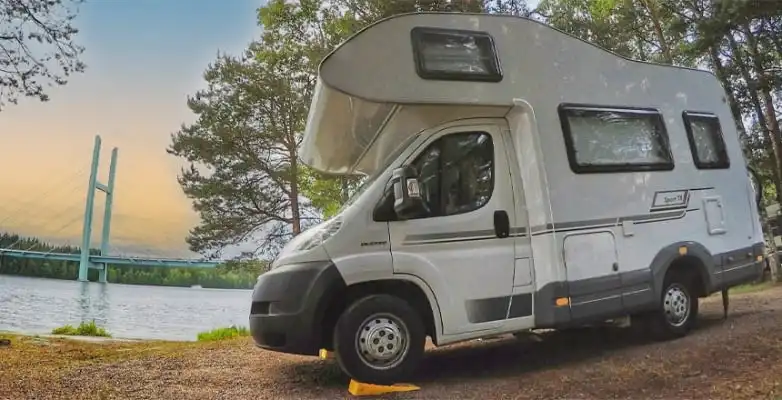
pixel 84 261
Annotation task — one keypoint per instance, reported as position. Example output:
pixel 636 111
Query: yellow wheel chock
pixel 367 389
pixel 324 354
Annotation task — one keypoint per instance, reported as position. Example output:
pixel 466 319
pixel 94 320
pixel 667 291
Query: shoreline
pixel 2 275
pixel 89 339
pixel 737 358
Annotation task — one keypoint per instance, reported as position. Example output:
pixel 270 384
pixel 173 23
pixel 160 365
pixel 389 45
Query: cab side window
pixel 456 173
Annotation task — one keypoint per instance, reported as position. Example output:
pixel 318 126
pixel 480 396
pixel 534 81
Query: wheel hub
pixel 382 341
pixel 676 305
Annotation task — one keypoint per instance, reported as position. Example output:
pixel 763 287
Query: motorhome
pixel 517 178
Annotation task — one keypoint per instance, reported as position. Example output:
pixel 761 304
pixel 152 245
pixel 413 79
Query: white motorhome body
pixel 542 183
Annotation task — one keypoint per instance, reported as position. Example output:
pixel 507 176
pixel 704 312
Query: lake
pixel 36 306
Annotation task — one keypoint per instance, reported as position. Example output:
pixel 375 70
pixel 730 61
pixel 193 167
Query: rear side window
pixel 611 139
pixel 706 141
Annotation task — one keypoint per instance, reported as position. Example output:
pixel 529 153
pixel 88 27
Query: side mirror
pixel 407 193
pixel 384 210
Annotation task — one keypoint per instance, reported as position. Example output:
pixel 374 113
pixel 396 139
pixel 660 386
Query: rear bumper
pixel 743 266
pixel 741 274
pixel 288 305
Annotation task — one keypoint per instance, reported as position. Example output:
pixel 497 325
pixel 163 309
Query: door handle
pixel 501 224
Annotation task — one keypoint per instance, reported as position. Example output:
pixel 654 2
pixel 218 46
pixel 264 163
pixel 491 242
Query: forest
pixel 245 179
pixel 231 275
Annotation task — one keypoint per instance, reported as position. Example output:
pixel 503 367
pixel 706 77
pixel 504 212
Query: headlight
pixel 317 235
pixel 309 239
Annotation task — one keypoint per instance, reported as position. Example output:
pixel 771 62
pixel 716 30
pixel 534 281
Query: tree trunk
pixel 775 36
pixel 641 51
pixel 771 249
pixel 726 83
pixel 764 126
pixel 345 192
pixel 777 39
pixel 773 131
pixel 294 194
pixel 765 90
pixel 658 30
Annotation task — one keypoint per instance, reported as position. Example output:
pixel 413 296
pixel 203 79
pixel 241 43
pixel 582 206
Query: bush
pixel 84 329
pixel 230 332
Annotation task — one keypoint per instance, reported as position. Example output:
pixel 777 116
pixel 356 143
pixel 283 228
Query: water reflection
pixel 33 305
pixel 93 302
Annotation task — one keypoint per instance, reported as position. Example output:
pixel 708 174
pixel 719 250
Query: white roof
pixel 363 81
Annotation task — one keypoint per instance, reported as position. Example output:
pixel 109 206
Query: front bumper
pixel 288 305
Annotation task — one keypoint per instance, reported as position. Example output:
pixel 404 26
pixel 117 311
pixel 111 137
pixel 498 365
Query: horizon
pixel 143 59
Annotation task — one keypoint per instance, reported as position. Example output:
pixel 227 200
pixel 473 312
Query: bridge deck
pixel 114 260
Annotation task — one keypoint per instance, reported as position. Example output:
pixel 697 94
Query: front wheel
pixel 379 339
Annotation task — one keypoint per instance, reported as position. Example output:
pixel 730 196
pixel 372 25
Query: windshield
pixel 367 182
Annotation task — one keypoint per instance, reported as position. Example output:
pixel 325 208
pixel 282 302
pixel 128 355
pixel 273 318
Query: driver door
pixel 459 247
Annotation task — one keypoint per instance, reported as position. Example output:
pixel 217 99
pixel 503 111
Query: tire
pixel 677 310
pixel 379 319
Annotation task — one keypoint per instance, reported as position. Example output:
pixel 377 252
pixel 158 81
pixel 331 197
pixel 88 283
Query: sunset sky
pixel 143 58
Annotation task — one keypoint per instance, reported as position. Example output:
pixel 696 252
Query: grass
pixel 752 287
pixel 84 329
pixel 50 367
pixel 230 332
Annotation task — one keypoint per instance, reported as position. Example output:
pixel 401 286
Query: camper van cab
pixel 517 178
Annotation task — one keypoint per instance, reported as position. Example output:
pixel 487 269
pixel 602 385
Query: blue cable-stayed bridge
pixel 101 261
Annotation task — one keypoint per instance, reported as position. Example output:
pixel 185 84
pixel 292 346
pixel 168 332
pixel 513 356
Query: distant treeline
pixel 231 275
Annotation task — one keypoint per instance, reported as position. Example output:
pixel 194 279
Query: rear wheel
pixel 379 339
pixel 677 310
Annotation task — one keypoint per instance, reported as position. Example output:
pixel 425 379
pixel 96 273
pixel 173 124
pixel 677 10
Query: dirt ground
pixel 738 358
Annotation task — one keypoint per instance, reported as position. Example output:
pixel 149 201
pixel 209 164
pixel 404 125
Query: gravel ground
pixel 737 358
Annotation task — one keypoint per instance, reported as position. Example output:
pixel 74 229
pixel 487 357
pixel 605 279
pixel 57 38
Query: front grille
pixel 260 308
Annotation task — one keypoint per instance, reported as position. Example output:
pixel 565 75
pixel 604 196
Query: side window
pixel 601 139
pixel 706 142
pixel 456 173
